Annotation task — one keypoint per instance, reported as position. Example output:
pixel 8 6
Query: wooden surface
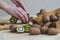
pixel 58 26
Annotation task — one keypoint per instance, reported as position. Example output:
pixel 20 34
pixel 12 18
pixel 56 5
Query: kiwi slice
pixel 53 18
pixel 20 29
pixel 13 20
pixel 27 27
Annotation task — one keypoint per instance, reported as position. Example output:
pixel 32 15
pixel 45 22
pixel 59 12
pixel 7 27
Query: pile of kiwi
pixel 46 26
pixel 35 29
pixel 19 28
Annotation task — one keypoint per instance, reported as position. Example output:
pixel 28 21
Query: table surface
pixel 7 35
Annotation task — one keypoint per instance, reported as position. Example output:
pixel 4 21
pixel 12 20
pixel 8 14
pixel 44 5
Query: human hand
pixel 14 11
pixel 19 3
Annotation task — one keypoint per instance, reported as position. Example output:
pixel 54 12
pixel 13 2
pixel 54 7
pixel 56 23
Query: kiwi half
pixel 13 20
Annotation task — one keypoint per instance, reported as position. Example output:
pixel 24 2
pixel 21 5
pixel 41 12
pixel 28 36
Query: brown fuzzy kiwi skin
pixel 52 31
pixel 58 16
pixel 45 19
pixel 13 28
pixel 53 18
pixel 36 25
pixel 34 31
pixel 52 25
pixel 45 28
pixel 43 11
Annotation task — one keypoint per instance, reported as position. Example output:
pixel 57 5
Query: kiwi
pixel 52 25
pixel 34 31
pixel 58 16
pixel 20 29
pixel 13 28
pixel 52 31
pixel 53 18
pixel 43 11
pixel 13 20
pixel 36 25
pixel 45 19
pixel 45 28
pixel 27 28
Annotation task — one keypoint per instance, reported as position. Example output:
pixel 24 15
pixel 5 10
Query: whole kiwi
pixel 52 25
pixel 36 25
pixel 45 19
pixel 44 28
pixel 52 31
pixel 13 28
pixel 34 31
pixel 53 18
pixel 58 16
pixel 43 11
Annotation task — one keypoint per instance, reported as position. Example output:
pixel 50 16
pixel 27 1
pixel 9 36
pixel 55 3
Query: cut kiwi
pixel 20 29
pixel 13 20
pixel 27 27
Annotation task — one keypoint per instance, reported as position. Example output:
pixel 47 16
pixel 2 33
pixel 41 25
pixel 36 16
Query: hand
pixel 19 3
pixel 19 13
pixel 14 11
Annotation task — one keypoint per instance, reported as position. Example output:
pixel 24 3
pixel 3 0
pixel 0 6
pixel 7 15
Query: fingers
pixel 23 13
pixel 14 12
pixel 20 16
pixel 15 2
pixel 19 3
